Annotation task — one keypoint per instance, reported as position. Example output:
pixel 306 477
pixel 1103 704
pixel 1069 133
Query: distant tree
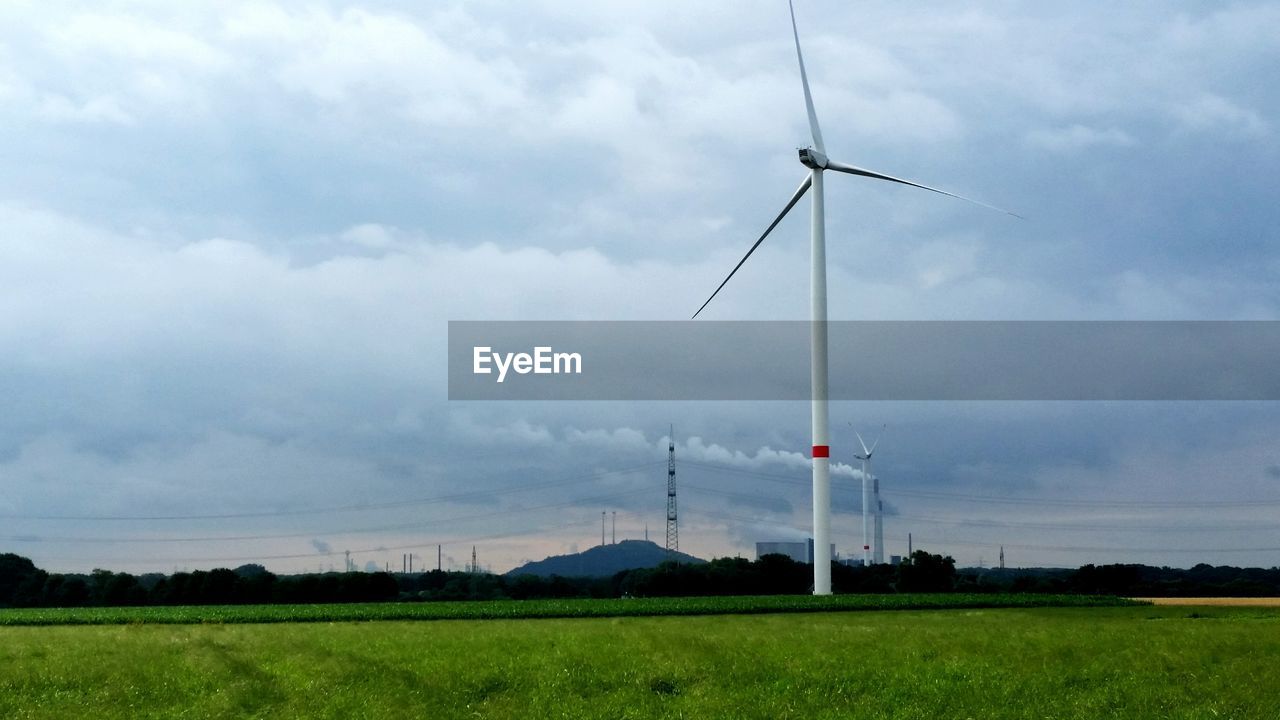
pixel 15 570
pixel 256 588
pixel 250 570
pixel 108 588
pixel 1028 584
pixel 924 572
pixel 219 586
pixel 858 579
pixel 63 591
pixel 1106 579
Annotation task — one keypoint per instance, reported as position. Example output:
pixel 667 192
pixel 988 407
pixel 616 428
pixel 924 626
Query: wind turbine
pixel 865 457
pixel 815 158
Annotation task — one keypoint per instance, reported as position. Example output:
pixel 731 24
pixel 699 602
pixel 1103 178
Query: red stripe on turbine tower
pixel 821 451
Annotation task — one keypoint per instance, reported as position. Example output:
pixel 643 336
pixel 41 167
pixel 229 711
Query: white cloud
pixel 519 433
pixel 217 472
pixel 1240 27
pixel 358 57
pixel 1210 112
pixel 93 110
pixel 1078 137
pixel 944 261
pixel 117 68
pixel 135 39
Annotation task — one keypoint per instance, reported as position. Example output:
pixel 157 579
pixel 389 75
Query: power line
pixel 984 523
pixel 337 508
pixel 968 497
pixel 965 543
pixel 979 524
pixel 330 553
pixel 339 533
pixel 1097 548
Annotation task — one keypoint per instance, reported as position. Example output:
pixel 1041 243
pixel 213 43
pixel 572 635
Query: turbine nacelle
pixel 811 158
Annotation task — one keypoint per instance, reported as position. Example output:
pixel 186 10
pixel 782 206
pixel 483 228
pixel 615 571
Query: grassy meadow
pixel 1103 662
pixel 529 609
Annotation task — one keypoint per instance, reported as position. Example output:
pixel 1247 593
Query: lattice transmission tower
pixel 673 526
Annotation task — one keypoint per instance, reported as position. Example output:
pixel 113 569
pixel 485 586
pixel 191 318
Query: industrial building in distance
pixel 803 552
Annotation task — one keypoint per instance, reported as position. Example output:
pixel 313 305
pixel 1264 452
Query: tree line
pixel 22 584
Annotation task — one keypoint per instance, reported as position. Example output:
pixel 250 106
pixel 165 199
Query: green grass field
pixel 526 609
pixel 1125 662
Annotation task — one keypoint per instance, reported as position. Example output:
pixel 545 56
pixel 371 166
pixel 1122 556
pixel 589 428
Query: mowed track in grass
pixel 1130 662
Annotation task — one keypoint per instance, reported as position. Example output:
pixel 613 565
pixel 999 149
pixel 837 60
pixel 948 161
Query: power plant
pixel 798 551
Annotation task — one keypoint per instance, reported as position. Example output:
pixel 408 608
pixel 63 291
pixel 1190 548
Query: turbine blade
pixel 877 442
pixel 804 80
pixel 841 167
pixel 863 443
pixel 804 187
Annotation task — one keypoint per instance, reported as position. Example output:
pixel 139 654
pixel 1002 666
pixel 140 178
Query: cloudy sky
pixel 232 236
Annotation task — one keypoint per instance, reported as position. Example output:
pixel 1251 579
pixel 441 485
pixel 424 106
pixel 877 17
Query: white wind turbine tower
pixel 867 502
pixel 815 158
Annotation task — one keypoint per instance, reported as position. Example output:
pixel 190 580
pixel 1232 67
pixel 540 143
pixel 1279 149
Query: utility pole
pixel 348 555
pixel 613 532
pixel 602 516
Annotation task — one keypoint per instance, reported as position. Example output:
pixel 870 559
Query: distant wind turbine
pixel 815 158
pixel 865 457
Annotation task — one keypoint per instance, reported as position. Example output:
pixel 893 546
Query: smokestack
pixel 909 552
pixel 439 557
pixel 410 563
pixel 878 555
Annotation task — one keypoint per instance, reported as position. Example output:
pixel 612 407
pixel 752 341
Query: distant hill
pixel 604 560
